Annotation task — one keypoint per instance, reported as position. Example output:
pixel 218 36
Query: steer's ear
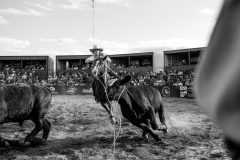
pixel 126 79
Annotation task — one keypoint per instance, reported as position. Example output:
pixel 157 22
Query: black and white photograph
pixel 119 80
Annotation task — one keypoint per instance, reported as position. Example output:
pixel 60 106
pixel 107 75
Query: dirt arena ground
pixel 81 130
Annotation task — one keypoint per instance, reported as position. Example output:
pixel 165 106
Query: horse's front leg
pixel 109 110
pixel 111 115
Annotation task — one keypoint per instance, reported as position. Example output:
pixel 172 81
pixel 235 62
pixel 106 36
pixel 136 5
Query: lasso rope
pixel 120 124
pixel 113 110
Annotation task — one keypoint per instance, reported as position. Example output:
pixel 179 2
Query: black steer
pixel 139 104
pixel 25 102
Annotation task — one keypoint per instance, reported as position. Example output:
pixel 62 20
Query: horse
pixel 139 104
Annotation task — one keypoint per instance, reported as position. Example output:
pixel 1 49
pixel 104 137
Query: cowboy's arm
pixel 112 73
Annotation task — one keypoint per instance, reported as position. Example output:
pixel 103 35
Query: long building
pixel 66 63
pixel 43 65
pixel 182 59
pixel 131 62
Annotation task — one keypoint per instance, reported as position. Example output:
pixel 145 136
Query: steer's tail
pixel 162 117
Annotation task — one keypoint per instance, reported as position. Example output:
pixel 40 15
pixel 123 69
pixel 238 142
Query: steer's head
pixel 116 87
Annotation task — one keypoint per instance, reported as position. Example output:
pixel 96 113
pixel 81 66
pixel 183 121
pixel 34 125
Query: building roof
pixel 24 57
pixel 184 50
pixel 64 57
pixel 132 54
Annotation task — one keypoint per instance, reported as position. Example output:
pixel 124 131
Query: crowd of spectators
pixel 71 78
pixel 28 66
pixel 179 63
pixel 35 66
pixel 171 78
pixel 9 77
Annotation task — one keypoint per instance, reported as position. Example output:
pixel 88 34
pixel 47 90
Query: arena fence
pixel 166 91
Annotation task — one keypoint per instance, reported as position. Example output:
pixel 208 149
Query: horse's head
pixel 99 67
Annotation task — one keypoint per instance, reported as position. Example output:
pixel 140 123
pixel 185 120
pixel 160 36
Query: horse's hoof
pixel 113 121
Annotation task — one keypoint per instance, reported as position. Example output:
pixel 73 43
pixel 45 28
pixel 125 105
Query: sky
pixel 65 27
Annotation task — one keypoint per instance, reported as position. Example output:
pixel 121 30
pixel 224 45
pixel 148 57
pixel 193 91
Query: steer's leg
pixel 3 114
pixel 46 128
pixel 144 133
pixel 162 118
pixel 150 131
pixel 153 119
pixel 4 143
pixel 36 130
pixel 147 129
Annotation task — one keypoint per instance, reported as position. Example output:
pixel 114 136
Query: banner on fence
pixel 70 89
pixel 166 91
pixel 186 92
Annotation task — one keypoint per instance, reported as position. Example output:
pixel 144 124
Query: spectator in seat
pixel 24 77
pixel 30 78
pixel 2 77
pixel 161 82
pixel 19 78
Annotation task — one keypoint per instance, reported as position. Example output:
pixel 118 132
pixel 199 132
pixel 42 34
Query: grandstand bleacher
pixel 182 59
